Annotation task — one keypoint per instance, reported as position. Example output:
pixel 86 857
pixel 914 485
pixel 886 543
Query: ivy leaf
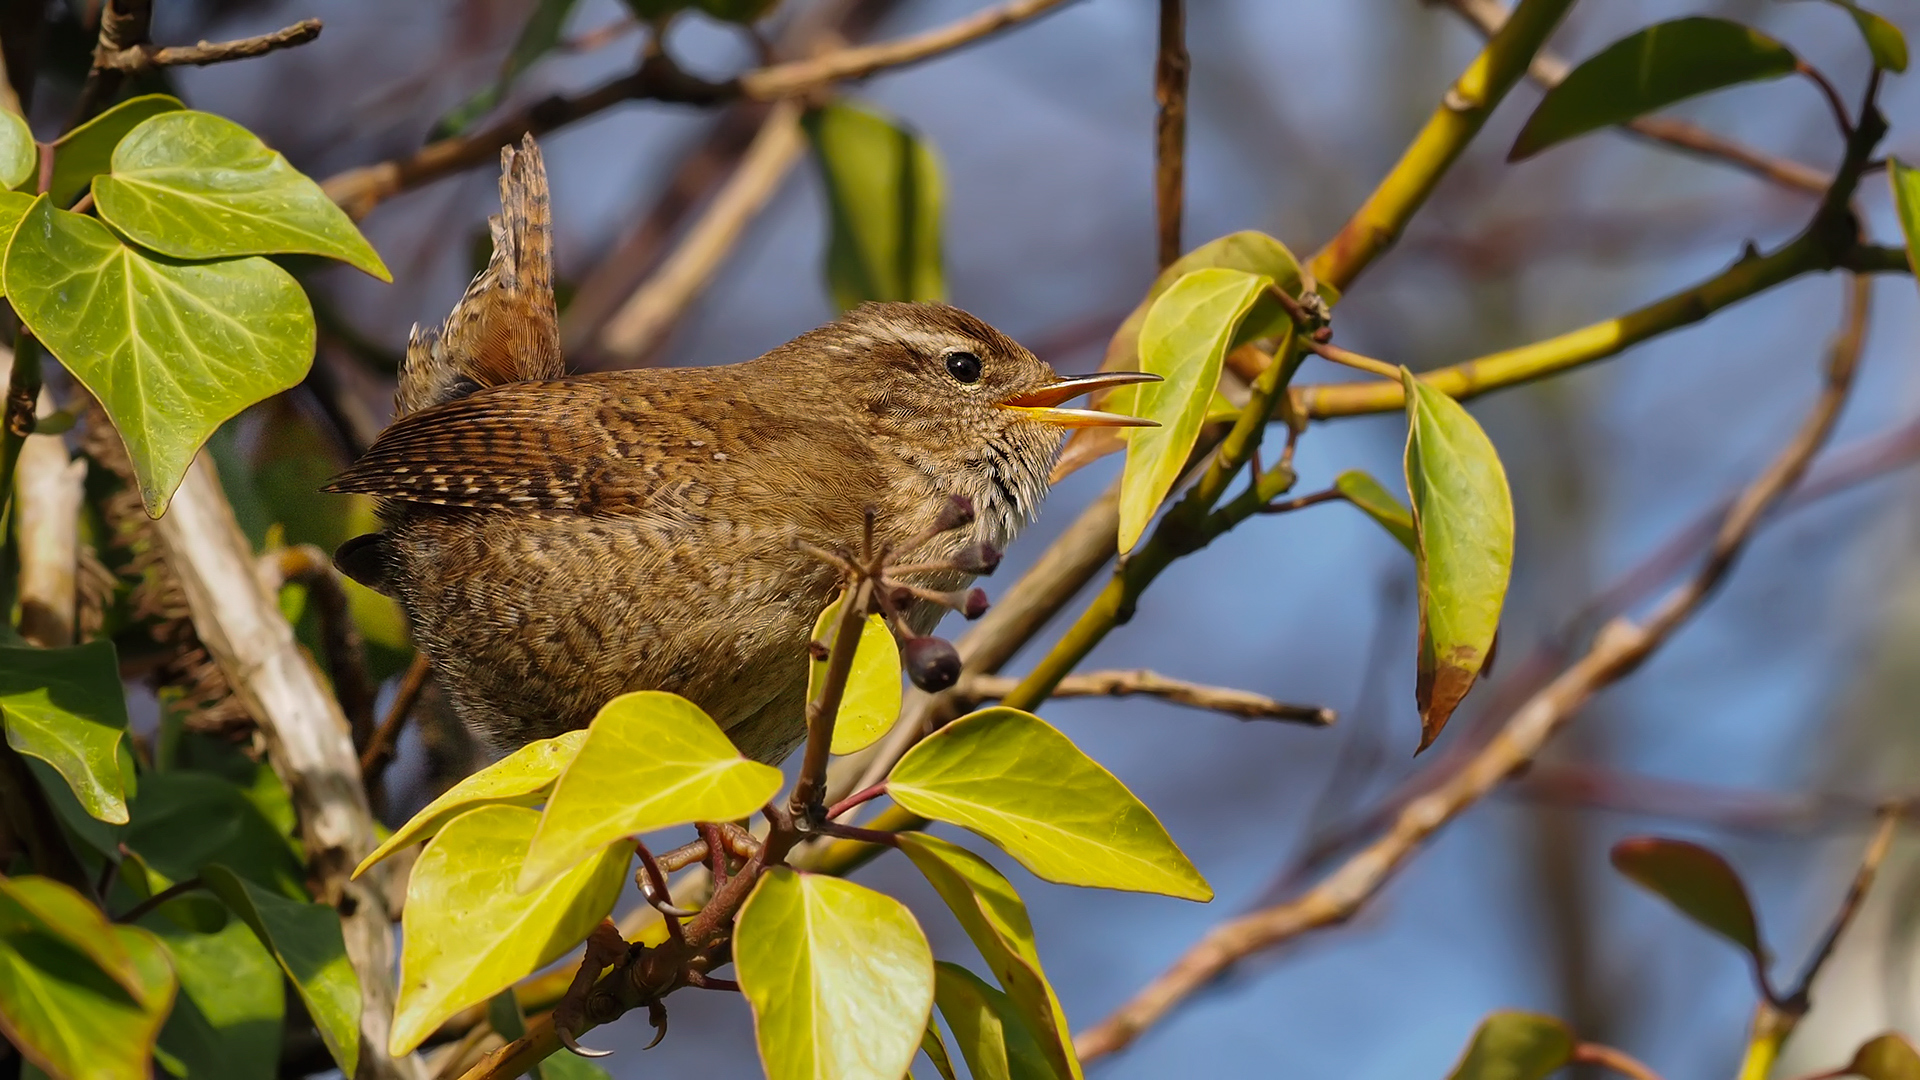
pixel 226 1023
pixel 198 186
pixel 987 1028
pixel 87 151
pixel 839 976
pixel 19 157
pixel 1698 882
pixel 68 1017
pixel 932 1045
pixel 1463 531
pixel 1515 1046
pixel 65 707
pixel 871 702
pixel 45 906
pixel 1012 778
pixel 1906 200
pixel 183 820
pixel 1884 40
pixel 1374 500
pixel 469 933
pixel 650 760
pixel 307 942
pixel 1887 1056
pixel 1663 64
pixel 883 198
pixel 170 350
pixel 538 37
pixel 1184 340
pixel 522 778
pixel 996 920
pixel 14 206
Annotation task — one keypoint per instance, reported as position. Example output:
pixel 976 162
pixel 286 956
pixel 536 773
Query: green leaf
pixel 1373 499
pixel 170 350
pixel 1888 1056
pixel 87 151
pixel 1663 64
pixel 1184 340
pixel 932 1045
pixel 68 1018
pixel 522 778
pixel 184 820
pixel 65 707
pixel 871 702
pixel 738 11
pixel 654 10
pixel 1884 40
pixel 1463 531
pixel 883 197
pixel 19 157
pixel 45 906
pixel 568 1067
pixel 538 37
pixel 1906 200
pixel 839 976
pixel 307 942
pixel 1013 779
pixel 987 1028
pixel 469 933
pixel 996 920
pixel 1698 882
pixel 650 760
pixel 226 1024
pixel 198 186
pixel 14 206
pixel 1515 1046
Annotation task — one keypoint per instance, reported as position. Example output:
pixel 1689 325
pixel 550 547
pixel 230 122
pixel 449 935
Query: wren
pixel 557 540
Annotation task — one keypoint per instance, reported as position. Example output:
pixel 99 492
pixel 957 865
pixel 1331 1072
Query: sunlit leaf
pixel 1906 201
pixel 1888 1056
pixel 198 186
pixel 1656 67
pixel 1013 779
pixel 988 1029
pixel 87 151
pixel 19 157
pixel 67 1017
pixel 1698 882
pixel 996 920
pixel 468 933
pixel 1184 340
pixel 1515 1046
pixel 66 707
pixel 538 37
pixel 46 906
pixel 871 701
pixel 184 820
pixel 522 778
pixel 226 1023
pixel 14 206
pixel 650 760
pixel 839 976
pixel 170 350
pixel 883 197
pixel 307 942
pixel 1373 499
pixel 1463 530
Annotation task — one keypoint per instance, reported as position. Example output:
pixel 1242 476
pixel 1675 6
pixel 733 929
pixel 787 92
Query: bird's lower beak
pixel 1040 404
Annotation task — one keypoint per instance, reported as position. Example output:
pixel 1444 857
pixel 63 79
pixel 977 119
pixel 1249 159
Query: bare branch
pixel 386 738
pixel 1240 703
pixel 799 76
pixel 144 56
pixel 1170 127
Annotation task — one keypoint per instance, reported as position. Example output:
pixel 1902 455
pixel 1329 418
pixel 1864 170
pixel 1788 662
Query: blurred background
pixel 1766 729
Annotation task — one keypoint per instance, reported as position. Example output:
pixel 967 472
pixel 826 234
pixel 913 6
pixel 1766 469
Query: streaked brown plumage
pixel 557 540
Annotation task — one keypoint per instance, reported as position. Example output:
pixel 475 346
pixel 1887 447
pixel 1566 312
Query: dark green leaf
pixel 87 151
pixel 1698 882
pixel 307 942
pixel 568 1067
pixel 68 1017
pixel 883 198
pixel 987 1028
pixel 42 905
pixel 226 1024
pixel 932 1045
pixel 1906 200
pixel 739 11
pixel 1515 1046
pixel 1372 497
pixel 1463 531
pixel 183 820
pixel 871 701
pixel 537 38
pixel 19 157
pixel 170 350
pixel 1663 64
pixel 65 707
pixel 655 10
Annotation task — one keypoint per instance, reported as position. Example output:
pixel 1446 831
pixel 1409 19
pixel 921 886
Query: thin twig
pixel 1170 128
pixel 1870 862
pixel 124 24
pixel 145 57
pixel 1831 95
pixel 799 76
pixel 1349 358
pixel 1220 699
pixel 386 738
pixel 171 892
pixel 1618 1060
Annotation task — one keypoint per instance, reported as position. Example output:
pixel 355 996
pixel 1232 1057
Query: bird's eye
pixel 964 366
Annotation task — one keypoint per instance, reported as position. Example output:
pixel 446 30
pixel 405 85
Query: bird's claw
pixel 657 1016
pixel 567 1040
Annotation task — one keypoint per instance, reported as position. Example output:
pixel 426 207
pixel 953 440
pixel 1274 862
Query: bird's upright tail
pixel 505 328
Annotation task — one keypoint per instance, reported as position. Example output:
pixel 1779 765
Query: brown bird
pixel 557 540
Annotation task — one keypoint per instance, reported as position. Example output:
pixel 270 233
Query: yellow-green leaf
pixel 1885 42
pixel 993 916
pixel 1374 500
pixel 307 942
pixel 932 1045
pixel 883 199
pixel 522 778
pixel 987 1028
pixel 171 350
pixel 1184 340
pixel 650 760
pixel 47 906
pixel 871 702
pixel 198 186
pixel 1515 1046
pixel 1012 778
pixel 87 151
pixel 13 207
pixel 1905 181
pixel 19 157
pixel 839 976
pixel 1888 1056
pixel 469 933
pixel 65 707
pixel 69 1018
pixel 1698 882
pixel 1463 532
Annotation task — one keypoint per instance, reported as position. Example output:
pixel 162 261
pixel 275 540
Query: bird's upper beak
pixel 1039 404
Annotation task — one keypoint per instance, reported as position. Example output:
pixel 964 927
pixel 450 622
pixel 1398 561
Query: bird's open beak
pixel 1039 404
